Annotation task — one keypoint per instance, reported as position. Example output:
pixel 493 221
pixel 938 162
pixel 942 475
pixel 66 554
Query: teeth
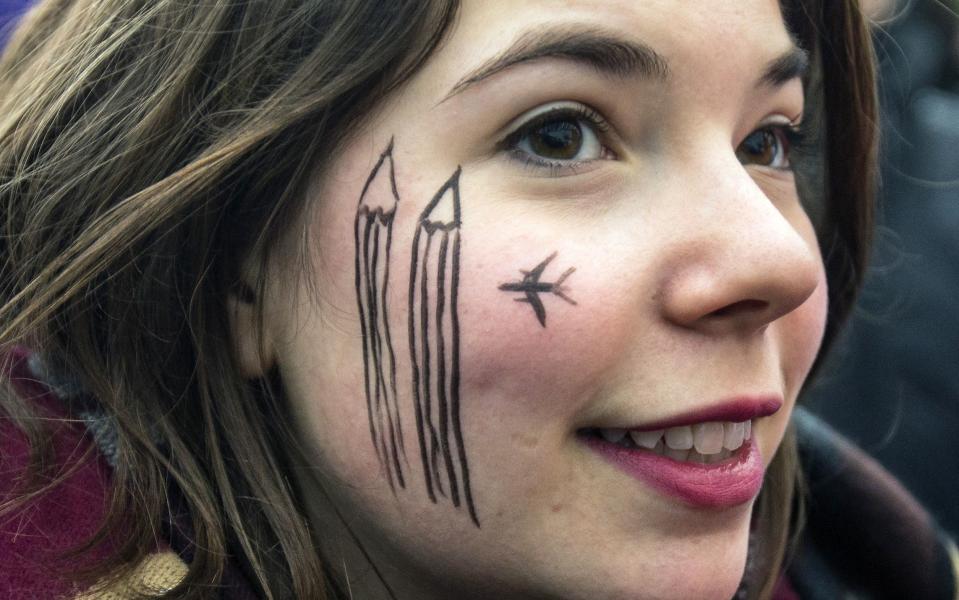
pixel 734 435
pixel 646 439
pixel 703 443
pixel 679 438
pixel 708 437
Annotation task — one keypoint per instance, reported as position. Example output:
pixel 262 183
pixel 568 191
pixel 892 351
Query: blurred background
pixel 892 382
pixel 10 10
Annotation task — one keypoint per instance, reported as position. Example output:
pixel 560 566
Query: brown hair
pixel 837 185
pixel 144 146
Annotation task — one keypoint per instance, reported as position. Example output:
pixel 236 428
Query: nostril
pixel 741 307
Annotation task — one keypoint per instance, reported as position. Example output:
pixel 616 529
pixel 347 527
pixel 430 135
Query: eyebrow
pixel 613 56
pixel 601 51
pixel 787 66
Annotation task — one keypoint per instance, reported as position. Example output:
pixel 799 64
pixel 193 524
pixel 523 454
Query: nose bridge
pixel 742 260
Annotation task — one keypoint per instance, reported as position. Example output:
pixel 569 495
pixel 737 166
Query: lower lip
pixel 716 485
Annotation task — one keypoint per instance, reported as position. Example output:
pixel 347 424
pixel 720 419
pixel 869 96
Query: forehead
pixel 691 35
pixel 663 21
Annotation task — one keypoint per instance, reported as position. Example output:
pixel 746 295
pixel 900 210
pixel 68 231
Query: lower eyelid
pixel 529 159
pixel 779 174
pixel 552 168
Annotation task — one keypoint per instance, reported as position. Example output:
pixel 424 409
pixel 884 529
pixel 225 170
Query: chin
pixel 689 564
pixel 693 578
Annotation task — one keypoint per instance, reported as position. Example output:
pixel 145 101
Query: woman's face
pixel 579 218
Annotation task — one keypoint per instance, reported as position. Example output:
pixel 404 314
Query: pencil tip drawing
pixel 373 236
pixel 434 335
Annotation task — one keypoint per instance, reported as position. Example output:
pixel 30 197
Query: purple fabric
pixel 784 590
pixel 10 13
pixel 33 537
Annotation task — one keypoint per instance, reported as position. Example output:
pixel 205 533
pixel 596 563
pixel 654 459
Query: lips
pixel 739 409
pixel 704 458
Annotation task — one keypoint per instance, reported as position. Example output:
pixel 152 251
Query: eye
pixel 562 137
pixel 766 147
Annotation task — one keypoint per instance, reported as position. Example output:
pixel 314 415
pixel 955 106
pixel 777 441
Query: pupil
pixel 760 147
pixel 558 139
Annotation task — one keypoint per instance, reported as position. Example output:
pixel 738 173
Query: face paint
pixel 434 359
pixel 434 289
pixel 373 235
pixel 532 287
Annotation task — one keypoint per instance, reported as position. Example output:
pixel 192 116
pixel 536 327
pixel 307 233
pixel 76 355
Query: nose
pixel 742 260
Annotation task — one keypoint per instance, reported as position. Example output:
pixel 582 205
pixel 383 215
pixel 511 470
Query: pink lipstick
pixel 715 485
pixel 703 471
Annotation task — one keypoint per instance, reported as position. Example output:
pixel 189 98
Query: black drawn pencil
pixel 373 236
pixel 433 298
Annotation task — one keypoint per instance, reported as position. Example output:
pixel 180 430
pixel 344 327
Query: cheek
pixel 510 370
pixel 798 338
pixel 534 346
pixel 450 339
pixel 803 333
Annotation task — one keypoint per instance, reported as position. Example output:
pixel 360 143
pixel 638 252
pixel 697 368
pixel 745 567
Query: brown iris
pixel 759 148
pixel 561 140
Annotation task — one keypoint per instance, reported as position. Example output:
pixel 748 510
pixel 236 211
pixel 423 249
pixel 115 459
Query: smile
pixel 711 463
pixel 703 443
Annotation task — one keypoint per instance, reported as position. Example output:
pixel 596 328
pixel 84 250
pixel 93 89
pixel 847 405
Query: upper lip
pixel 735 410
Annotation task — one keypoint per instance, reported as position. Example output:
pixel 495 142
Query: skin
pixel 697 279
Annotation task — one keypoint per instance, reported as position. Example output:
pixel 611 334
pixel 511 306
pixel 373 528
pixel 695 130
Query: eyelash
pixel 590 117
pixel 795 134
pixel 799 138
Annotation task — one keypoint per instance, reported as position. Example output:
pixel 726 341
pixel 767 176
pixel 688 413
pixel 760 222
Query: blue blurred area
pixel 893 383
pixel 10 11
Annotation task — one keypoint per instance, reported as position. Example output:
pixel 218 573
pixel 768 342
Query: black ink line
pixel 384 397
pixel 443 415
pixel 376 341
pixel 417 400
pixel 392 409
pixel 389 344
pixel 455 377
pixel 532 287
pixel 373 234
pixel 365 335
pixel 439 369
pixel 427 379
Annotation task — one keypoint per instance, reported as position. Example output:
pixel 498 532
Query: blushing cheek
pixel 464 327
pixel 800 338
pixel 516 366
pixel 803 337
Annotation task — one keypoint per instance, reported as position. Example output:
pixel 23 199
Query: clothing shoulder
pixel 37 534
pixel 866 536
